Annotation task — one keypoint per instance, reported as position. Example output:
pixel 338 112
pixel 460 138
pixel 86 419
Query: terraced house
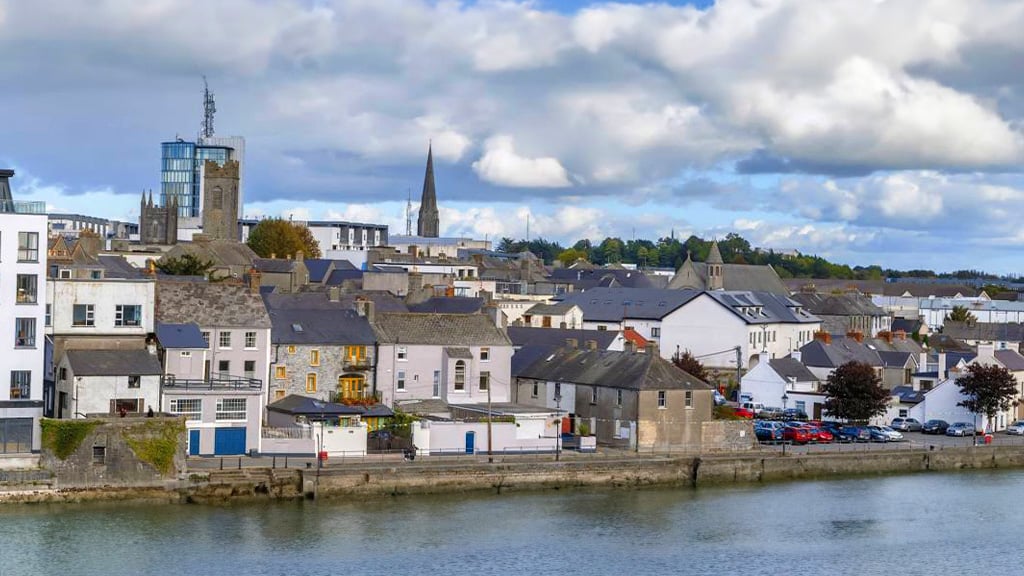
pixel 320 348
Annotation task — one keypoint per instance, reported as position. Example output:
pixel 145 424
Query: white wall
pixel 343 440
pixel 105 296
pixel 423 360
pixel 92 394
pixel 450 437
pixel 12 358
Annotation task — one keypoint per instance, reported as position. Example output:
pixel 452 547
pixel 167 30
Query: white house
pixel 22 306
pixel 768 382
pixel 107 382
pixel 558 315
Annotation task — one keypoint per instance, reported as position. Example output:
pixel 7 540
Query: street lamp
pixel 558 427
pixel 785 398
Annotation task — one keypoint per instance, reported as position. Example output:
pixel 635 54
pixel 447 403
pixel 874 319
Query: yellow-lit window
pixel 311 382
pixel 351 387
pixel 291 349
pixel 355 353
pixel 280 373
pixel 314 357
pixel 278 394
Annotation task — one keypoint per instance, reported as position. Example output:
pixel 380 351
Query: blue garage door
pixel 228 441
pixel 193 442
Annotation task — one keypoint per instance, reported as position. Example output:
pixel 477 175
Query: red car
pixel 821 435
pixel 796 435
pixel 744 413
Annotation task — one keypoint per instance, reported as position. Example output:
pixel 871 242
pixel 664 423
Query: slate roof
pixel 174 336
pixel 586 279
pixel 318 326
pixel 556 337
pixel 1011 359
pixel 907 394
pixel 113 363
pixel 603 368
pixel 525 357
pixel 556 309
pixel 846 304
pixel 614 304
pixel 298 405
pixel 319 268
pixel 908 325
pixel 449 305
pixel 221 252
pixel 894 359
pixel 274 265
pixel 790 367
pixel 734 277
pixel 339 276
pixel 216 304
pixel 842 350
pixel 458 352
pixel 118 267
pixel 993 331
pixel 763 307
pixel 439 329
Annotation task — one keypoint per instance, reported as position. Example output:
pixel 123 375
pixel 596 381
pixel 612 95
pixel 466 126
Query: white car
pixel 1017 428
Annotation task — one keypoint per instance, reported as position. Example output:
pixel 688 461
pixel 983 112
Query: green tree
pixel 989 390
pixel 854 392
pixel 185 265
pixel 689 364
pixel 281 238
pixel 569 256
pixel 960 314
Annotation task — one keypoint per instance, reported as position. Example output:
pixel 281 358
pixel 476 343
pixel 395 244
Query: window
pixel 437 384
pixel 655 332
pixel 130 405
pixel 128 315
pixel 351 386
pixel 355 354
pixel 28 246
pixel 63 374
pixel 618 397
pixel 225 339
pixel 535 390
pixel 314 357
pixel 485 380
pixel 231 409
pixel 602 327
pixel 593 395
pixel 224 367
pixel 278 394
pixel 21 384
pixel 688 399
pixel 291 349
pixel 662 402
pixel 249 368
pixel 83 315
pixel 311 382
pixel 280 373
pixel 460 376
pixel 904 412
pixel 185 354
pixel 402 353
pixel 65 274
pixel 801 406
pixel 485 354
pixel 15 435
pixel 135 381
pixel 24 332
pixel 206 337
pixel 99 455
pixel 190 408
pixel 250 340
pixel 48 321
pixel 27 289
pixel 400 383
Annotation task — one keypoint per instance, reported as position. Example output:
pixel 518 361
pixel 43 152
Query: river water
pixel 935 524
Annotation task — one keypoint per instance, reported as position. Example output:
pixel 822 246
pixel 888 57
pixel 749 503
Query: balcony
pixel 21 207
pixel 214 383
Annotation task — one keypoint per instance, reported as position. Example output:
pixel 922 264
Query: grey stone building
pixel 321 348
pixel 158 224
pixel 220 202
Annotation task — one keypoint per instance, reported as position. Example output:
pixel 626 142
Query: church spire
pixel 429 222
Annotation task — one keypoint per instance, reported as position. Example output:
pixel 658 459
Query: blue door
pixel 193 442
pixel 470 442
pixel 229 441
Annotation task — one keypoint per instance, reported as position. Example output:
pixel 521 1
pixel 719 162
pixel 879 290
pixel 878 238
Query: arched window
pixel 460 376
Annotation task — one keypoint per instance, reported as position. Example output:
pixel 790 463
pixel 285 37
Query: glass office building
pixel 181 173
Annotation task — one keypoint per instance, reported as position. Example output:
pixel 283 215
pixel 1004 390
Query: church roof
pixel 714 256
pixel 428 224
pixel 742 277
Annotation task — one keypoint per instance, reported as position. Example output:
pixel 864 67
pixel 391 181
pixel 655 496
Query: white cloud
pixel 502 165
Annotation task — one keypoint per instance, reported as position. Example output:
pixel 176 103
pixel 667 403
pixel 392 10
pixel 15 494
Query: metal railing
pixel 287 433
pixel 34 207
pixel 214 383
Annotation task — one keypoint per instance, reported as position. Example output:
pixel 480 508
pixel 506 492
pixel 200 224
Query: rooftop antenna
pixel 408 212
pixel 209 109
pixel 527 227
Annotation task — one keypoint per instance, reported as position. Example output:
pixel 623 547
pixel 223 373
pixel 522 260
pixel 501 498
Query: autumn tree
pixel 281 238
pixel 689 364
pixel 854 392
pixel 989 390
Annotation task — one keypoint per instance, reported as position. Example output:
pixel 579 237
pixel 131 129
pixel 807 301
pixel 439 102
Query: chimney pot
pixel 571 343
pixel 591 344
pixel 823 336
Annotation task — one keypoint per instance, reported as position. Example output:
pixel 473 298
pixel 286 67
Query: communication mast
pixel 408 212
pixel 209 109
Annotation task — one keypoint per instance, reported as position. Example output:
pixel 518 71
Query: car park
pixel 1016 429
pixel 754 407
pixel 768 431
pixel 886 432
pixel 821 435
pixel 906 424
pixel 796 435
pixel 934 427
pixel 857 433
pixel 770 413
pixel 838 435
pixel 960 429
pixel 794 414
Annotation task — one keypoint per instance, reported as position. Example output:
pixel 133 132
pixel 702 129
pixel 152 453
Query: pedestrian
pixel 149 413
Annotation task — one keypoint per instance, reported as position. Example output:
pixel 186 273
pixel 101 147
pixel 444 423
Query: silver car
pixel 889 434
pixel 1016 429
pixel 906 424
pixel 960 429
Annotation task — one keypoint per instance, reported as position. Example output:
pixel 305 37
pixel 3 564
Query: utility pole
pixel 490 416
pixel 739 367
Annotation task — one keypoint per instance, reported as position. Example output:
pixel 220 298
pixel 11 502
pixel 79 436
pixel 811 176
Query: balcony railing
pixel 22 207
pixel 214 383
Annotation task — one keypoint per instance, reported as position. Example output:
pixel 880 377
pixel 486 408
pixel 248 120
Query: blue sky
pixel 869 132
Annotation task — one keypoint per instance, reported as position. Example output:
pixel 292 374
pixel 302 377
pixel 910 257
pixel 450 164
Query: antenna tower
pixel 209 109
pixel 408 212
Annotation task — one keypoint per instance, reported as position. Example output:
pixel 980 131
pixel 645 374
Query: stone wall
pixel 728 436
pixel 105 456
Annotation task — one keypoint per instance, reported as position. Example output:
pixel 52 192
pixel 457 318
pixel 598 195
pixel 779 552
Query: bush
pixel 155 442
pixel 726 413
pixel 63 437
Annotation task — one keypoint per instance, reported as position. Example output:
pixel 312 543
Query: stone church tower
pixel 716 280
pixel 220 200
pixel 158 224
pixel 429 223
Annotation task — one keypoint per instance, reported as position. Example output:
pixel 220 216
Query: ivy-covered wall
pixel 116 451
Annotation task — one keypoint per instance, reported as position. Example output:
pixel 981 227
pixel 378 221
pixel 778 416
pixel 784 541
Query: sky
pixel 883 132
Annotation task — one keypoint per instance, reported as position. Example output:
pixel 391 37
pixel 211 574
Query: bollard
pixel 274 462
pixel 239 462
pixel 221 463
pixel 286 462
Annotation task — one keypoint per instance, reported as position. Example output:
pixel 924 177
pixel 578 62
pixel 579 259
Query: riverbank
pixel 353 480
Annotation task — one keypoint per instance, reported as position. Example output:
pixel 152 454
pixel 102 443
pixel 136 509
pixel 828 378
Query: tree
pixel 689 364
pixel 854 392
pixel 185 265
pixel 989 389
pixel 278 237
pixel 960 314
pixel 569 256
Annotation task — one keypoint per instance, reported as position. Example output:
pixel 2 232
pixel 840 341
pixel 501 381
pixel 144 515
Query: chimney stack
pixel 334 293
pixel 856 335
pixel 886 335
pixel 365 308
pixel 823 336
pixel 571 343
pixel 299 256
pixel 591 344
pixel 253 278
pixel 901 334
pixel 942 365
pixel 629 346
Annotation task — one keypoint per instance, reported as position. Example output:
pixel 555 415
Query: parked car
pixel 1016 429
pixel 753 407
pixel 906 424
pixel 796 435
pixel 770 413
pixel 934 427
pixel 794 414
pixel 767 432
pixel 719 399
pixel 888 433
pixel 821 435
pixel 743 413
pixel 857 433
pixel 960 429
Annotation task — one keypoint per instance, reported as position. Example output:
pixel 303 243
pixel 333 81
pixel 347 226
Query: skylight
pixel 297 327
